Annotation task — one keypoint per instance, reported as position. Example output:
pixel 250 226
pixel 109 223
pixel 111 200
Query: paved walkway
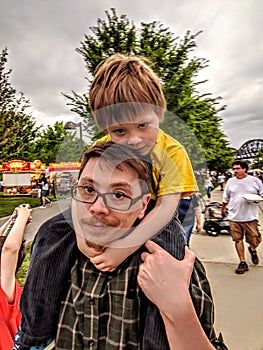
pixel 40 215
pixel 238 298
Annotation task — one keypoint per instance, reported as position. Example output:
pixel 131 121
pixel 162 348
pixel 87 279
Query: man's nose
pixel 99 206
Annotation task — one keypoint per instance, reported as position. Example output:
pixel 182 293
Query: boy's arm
pixel 10 252
pixel 153 222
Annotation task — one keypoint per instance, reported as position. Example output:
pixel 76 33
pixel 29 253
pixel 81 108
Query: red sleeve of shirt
pixel 10 317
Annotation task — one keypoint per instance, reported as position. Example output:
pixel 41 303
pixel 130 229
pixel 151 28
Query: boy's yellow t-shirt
pixel 172 169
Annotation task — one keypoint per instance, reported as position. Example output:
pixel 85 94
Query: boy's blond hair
pixel 123 87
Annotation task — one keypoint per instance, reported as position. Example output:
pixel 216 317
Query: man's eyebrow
pixel 121 184
pixel 86 179
pixel 113 185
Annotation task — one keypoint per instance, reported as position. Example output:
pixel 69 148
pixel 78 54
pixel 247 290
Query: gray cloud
pixel 41 37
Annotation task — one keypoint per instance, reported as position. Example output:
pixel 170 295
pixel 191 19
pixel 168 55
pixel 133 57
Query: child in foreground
pixel 12 252
pixel 127 101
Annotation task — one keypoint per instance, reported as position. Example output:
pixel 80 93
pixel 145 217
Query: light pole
pixel 72 126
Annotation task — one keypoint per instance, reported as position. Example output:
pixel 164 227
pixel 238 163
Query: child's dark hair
pixel 21 253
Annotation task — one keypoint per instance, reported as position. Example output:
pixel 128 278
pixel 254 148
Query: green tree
pixel 258 160
pixel 48 142
pixel 80 105
pixel 55 144
pixel 17 128
pixel 69 150
pixel 178 69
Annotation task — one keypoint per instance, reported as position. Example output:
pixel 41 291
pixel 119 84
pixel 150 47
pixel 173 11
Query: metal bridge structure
pixel 249 149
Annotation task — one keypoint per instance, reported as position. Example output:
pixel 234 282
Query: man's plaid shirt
pixel 101 310
pixel 106 311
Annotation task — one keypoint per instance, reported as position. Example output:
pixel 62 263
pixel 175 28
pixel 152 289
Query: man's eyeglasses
pixel 112 200
pixel 237 168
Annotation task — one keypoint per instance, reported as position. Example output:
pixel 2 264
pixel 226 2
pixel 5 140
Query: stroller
pixel 214 223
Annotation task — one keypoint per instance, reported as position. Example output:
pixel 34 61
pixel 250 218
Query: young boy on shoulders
pixel 127 101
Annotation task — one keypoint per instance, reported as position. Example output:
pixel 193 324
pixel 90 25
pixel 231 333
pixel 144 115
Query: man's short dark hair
pixel 116 155
pixel 243 165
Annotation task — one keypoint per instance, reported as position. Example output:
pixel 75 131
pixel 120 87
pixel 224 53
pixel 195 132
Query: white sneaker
pixel 43 207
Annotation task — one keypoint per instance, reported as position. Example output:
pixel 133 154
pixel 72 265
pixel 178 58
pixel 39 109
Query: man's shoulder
pixel 63 217
pixel 54 236
pixel 253 178
pixel 60 224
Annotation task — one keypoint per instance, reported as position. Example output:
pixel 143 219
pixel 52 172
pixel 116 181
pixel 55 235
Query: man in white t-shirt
pixel 243 215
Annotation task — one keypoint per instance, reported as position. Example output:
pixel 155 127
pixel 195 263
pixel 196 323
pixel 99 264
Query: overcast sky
pixel 41 37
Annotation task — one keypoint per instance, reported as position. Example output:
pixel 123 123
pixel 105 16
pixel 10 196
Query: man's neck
pixel 94 245
pixel 242 176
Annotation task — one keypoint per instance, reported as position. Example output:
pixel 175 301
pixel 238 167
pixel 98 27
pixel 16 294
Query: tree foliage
pixel 178 69
pixel 48 142
pixel 80 105
pixel 17 128
pixel 258 160
pixel 69 150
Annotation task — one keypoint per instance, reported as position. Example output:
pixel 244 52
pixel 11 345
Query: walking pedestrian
pixel 208 184
pixel 64 189
pixel 54 187
pixel 221 180
pixel 242 215
pixel 189 213
pixel 44 191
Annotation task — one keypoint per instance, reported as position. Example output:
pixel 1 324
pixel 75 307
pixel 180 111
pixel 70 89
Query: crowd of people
pixel 98 270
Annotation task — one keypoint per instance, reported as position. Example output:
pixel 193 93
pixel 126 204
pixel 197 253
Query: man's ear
pixel 145 200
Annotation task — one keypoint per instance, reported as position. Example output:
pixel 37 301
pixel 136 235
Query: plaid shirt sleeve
pixel 203 302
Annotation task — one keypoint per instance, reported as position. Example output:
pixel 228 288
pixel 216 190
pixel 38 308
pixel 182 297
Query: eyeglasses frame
pixel 99 194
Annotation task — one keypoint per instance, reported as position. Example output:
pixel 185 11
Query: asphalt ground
pixel 238 298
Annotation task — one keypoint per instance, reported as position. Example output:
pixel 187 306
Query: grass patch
pixel 21 273
pixel 8 204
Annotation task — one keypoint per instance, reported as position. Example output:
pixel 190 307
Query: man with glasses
pixel 243 215
pixel 107 310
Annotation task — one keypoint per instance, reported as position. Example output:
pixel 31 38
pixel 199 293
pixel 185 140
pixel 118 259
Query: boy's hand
pixel 111 258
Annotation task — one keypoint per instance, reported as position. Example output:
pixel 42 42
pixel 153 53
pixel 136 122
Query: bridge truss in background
pixel 249 149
